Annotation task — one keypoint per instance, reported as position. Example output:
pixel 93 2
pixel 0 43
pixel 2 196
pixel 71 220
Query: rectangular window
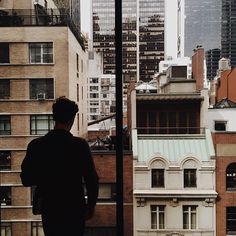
pixel 41 53
pixel 5 196
pixel 6 229
pixel 158 178
pixel 37 229
pixel 5 125
pixel 231 220
pixel 157 217
pixel 77 62
pixel 41 124
pixel 41 89
pixel 220 125
pixel 4 53
pixel 5 160
pixel 190 178
pixel 189 217
pixel 4 88
pixel 107 192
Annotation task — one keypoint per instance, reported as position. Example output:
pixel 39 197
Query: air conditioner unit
pixel 41 96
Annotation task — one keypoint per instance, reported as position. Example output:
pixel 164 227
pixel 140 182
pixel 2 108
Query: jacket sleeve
pixel 90 178
pixel 28 171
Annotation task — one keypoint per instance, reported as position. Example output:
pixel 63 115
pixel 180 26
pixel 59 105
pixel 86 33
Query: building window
pixel 5 229
pixel 5 196
pixel 231 177
pixel 4 53
pixel 231 220
pixel 220 125
pixel 5 160
pixel 4 88
pixel 189 217
pixel 5 125
pixel 157 217
pixel 190 178
pixel 37 229
pixel 41 124
pixel 41 89
pixel 107 192
pixel 41 53
pixel 158 178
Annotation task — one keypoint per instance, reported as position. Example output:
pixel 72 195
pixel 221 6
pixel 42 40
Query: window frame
pixel 37 131
pixel 6 123
pixel 7 56
pixel 188 182
pixel 36 225
pixel 7 194
pixel 157 213
pixel 7 155
pixel 6 226
pixel 160 179
pixel 220 122
pixel 5 92
pixel 230 179
pixel 228 228
pixel 191 209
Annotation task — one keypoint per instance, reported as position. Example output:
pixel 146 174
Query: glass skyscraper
pixel 143 59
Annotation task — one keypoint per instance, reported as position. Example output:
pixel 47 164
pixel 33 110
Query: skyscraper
pixel 228 27
pixel 148 32
pixel 202 24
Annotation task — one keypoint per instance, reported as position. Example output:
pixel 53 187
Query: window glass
pixel 37 229
pixel 190 179
pixel 4 52
pixel 231 220
pixel 189 217
pixel 157 217
pixel 41 124
pixel 5 160
pixel 5 196
pixel 220 125
pixel 4 88
pixel 41 52
pixel 41 89
pixel 157 177
pixel 231 177
pixel 6 229
pixel 5 125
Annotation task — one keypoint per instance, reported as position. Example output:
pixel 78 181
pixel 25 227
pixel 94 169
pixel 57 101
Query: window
pixel 37 229
pixel 220 125
pixel 190 179
pixel 77 62
pixel 41 124
pixel 4 88
pixel 189 217
pixel 5 125
pixel 5 229
pixel 158 178
pixel 157 217
pixel 231 220
pixel 107 192
pixel 41 53
pixel 41 88
pixel 5 196
pixel 5 160
pixel 4 52
pixel 231 177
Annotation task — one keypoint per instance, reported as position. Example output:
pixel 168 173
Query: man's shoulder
pixel 79 140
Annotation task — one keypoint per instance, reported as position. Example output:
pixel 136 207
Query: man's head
pixel 64 110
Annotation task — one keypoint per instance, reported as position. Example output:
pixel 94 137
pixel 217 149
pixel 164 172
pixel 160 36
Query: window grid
pixel 189 217
pixel 37 229
pixel 41 86
pixel 157 217
pixel 158 178
pixel 41 124
pixel 190 179
pixel 6 229
pixel 5 125
pixel 41 53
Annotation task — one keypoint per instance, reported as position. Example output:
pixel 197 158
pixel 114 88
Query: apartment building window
pixel 158 178
pixel 5 125
pixel 93 80
pixel 190 178
pixel 94 88
pixel 4 88
pixel 5 196
pixel 41 53
pixel 41 89
pixel 94 95
pixel 157 217
pixel 107 192
pixel 231 220
pixel 5 160
pixel 220 125
pixel 231 177
pixel 189 217
pixel 37 229
pixel 6 229
pixel 41 124
pixel 4 53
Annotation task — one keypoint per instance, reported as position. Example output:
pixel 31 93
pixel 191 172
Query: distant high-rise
pixel 202 24
pixel 138 62
pixel 228 27
pixel 212 61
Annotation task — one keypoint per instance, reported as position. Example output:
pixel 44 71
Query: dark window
pixel 220 125
pixel 37 229
pixel 5 125
pixel 5 195
pixel 190 178
pixel 4 88
pixel 41 89
pixel 4 52
pixel 5 160
pixel 231 177
pixel 158 178
pixel 163 122
pixel 41 53
pixel 41 124
pixel 231 220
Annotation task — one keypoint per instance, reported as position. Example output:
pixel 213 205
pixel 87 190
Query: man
pixel 60 165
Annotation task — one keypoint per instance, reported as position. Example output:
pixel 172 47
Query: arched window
pixel 231 177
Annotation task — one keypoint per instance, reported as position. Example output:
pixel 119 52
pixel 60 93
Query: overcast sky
pixel 85 15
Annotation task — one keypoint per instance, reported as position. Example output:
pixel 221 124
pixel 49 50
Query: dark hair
pixel 64 110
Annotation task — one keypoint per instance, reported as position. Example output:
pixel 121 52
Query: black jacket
pixel 61 165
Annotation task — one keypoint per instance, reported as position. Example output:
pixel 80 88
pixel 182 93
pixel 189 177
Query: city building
pixel 174 159
pixel 228 29
pixel 140 63
pixel 202 25
pixel 36 67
